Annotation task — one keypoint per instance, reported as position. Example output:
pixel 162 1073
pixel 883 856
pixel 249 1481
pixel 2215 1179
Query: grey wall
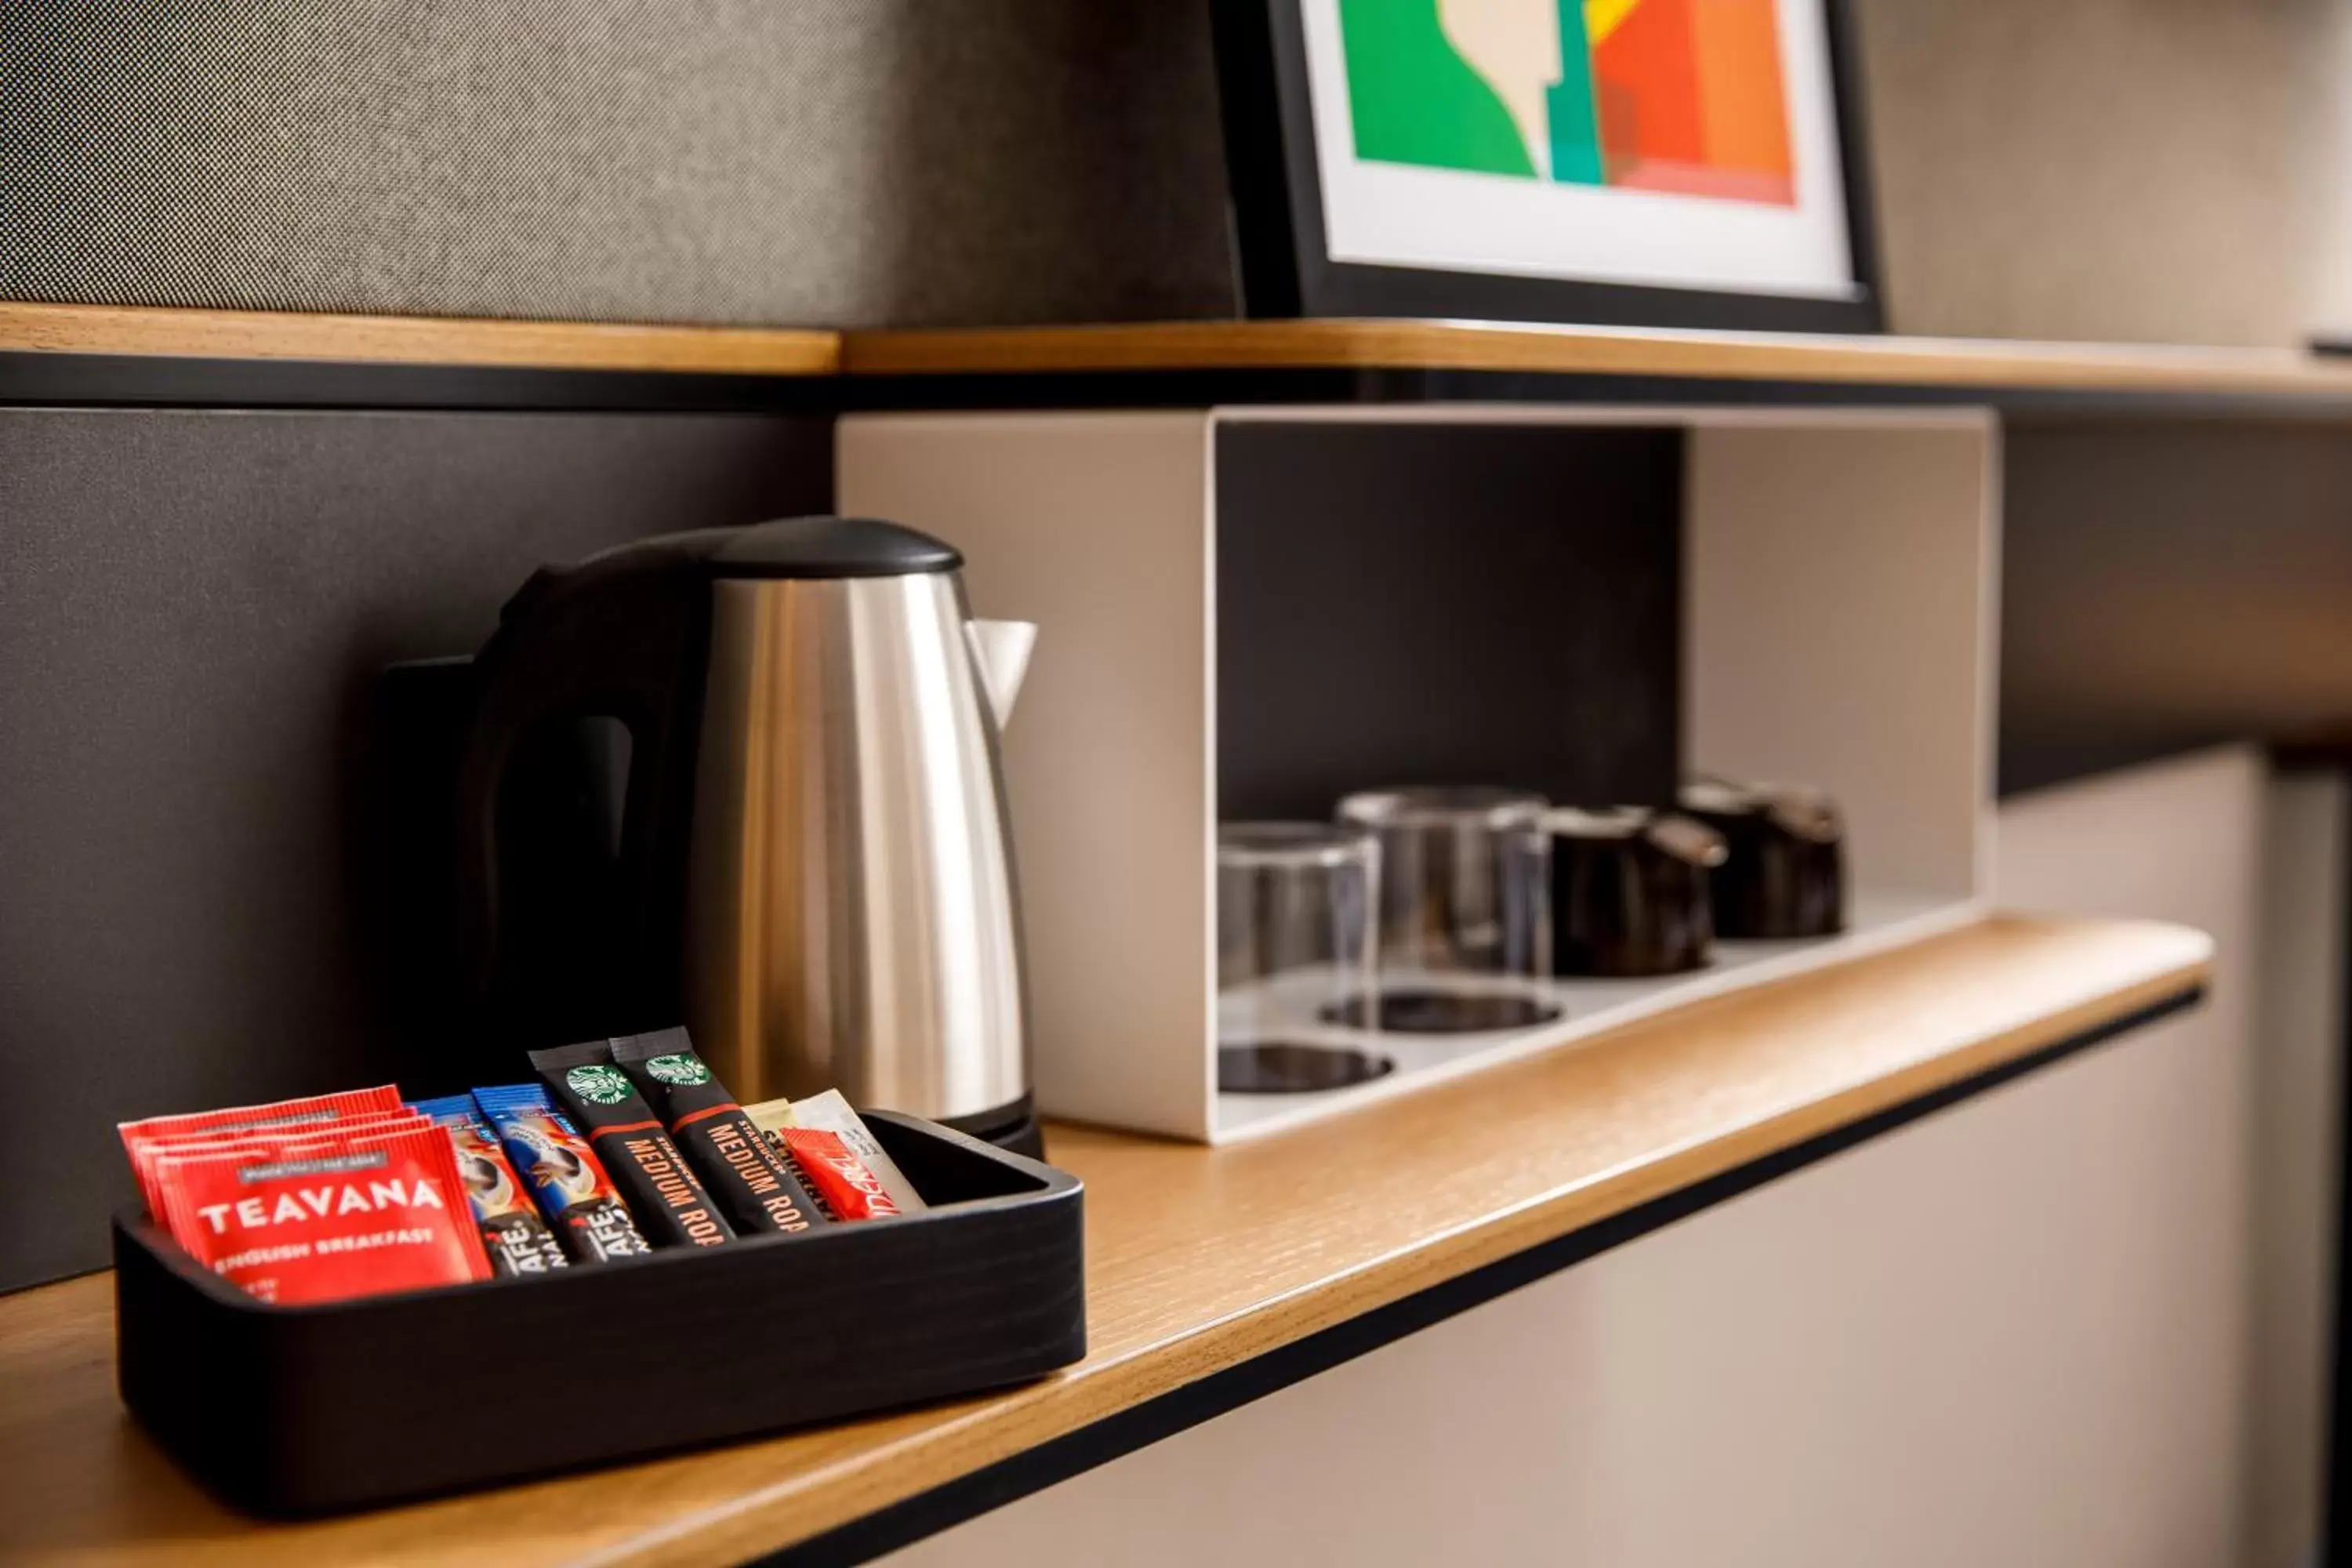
pixel 2164 170
pixel 2158 169
pixel 742 161
pixel 194 607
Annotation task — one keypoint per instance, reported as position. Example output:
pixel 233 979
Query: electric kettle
pixel 812 868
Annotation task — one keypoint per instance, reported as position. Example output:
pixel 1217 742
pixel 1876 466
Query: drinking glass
pixel 1295 944
pixel 1464 907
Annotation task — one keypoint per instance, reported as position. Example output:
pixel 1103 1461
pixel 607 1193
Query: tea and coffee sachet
pixel 626 1145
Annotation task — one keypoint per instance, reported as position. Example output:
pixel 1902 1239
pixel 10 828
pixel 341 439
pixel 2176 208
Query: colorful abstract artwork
pixel 1684 95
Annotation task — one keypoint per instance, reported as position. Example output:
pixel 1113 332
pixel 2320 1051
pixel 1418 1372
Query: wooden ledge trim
pixel 1400 345
pixel 1594 351
pixel 417 340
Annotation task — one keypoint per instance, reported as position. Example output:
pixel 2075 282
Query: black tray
pixel 314 1409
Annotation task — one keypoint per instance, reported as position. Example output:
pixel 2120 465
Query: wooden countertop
pixel 1200 1261
pixel 2126 370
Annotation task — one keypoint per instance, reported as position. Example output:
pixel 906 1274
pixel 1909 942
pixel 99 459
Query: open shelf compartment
pixel 1248 612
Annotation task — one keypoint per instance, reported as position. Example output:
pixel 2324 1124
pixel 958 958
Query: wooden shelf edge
pixel 1947 363
pixel 1421 345
pixel 1188 1277
pixel 416 341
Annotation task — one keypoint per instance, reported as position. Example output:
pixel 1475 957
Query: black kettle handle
pixel 624 637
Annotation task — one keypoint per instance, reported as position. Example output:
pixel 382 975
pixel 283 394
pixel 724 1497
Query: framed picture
pixel 1660 163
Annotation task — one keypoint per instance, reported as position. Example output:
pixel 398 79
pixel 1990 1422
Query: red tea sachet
pixel 285 1115
pixel 328 1219
pixel 309 1110
pixel 145 1150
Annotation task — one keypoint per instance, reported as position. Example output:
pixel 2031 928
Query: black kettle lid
pixel 829 547
pixel 802 547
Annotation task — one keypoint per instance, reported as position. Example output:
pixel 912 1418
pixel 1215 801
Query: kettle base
pixel 1012 1126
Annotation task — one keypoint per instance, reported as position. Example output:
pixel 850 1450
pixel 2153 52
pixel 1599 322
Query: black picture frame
pixel 1283 260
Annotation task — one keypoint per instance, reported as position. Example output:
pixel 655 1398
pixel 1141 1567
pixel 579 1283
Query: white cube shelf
pixel 1838 623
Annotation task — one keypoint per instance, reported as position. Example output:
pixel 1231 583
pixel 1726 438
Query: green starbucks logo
pixel 684 1068
pixel 598 1085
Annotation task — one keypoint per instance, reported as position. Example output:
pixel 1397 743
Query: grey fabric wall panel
pixel 725 161
pixel 194 607
pixel 2169 169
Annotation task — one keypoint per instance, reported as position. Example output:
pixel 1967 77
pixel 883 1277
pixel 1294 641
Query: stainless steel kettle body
pixel 850 917
pixel 811 867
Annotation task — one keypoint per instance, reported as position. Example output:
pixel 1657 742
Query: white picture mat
pixel 1395 215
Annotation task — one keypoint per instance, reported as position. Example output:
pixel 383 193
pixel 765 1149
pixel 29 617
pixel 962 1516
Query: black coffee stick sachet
pixel 670 1207
pixel 758 1190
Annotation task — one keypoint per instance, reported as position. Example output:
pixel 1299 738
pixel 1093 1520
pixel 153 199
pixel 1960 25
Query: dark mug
pixel 1784 876
pixel 1628 891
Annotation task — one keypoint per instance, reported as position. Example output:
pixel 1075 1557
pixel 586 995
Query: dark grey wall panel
pixel 193 610
pixel 2168 586
pixel 729 161
pixel 1446 605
